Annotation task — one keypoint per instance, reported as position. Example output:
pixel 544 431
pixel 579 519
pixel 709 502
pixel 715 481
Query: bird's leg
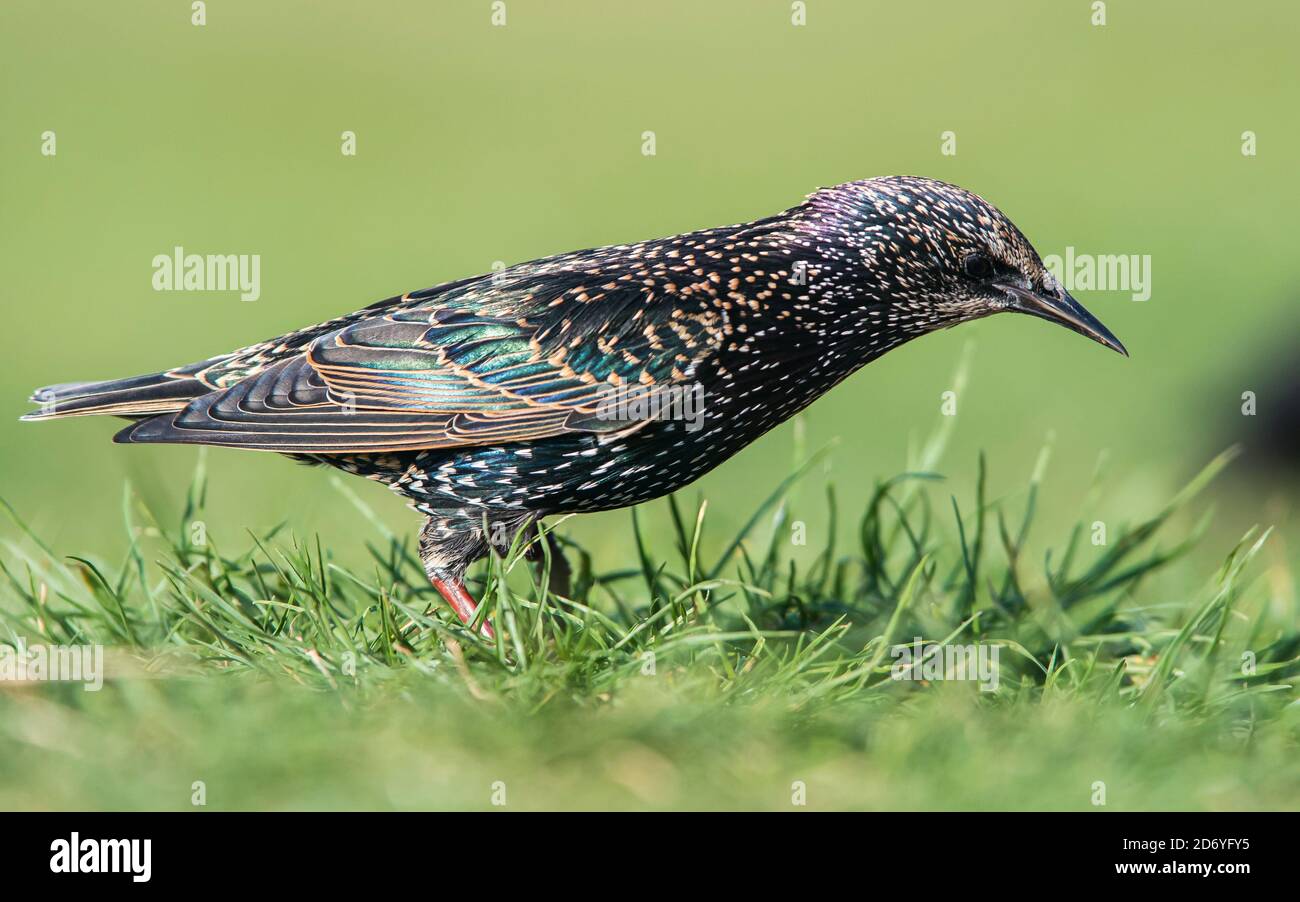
pixel 453 591
pixel 561 580
pixel 561 576
pixel 446 547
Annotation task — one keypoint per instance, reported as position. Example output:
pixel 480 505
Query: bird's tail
pixel 138 396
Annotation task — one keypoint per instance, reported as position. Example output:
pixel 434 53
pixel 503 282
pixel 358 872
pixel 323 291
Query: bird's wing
pixel 481 365
pixel 171 390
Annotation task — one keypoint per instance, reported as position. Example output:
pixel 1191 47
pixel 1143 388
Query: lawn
pixel 252 672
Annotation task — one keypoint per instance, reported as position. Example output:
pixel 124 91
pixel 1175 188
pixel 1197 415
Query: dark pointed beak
pixel 1065 311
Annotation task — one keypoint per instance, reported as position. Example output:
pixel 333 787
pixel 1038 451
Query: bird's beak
pixel 1065 311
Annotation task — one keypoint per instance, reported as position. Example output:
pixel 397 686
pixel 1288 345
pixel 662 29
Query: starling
pixel 601 378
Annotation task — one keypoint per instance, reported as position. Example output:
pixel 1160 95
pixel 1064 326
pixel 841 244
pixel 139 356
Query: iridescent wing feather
pixel 521 356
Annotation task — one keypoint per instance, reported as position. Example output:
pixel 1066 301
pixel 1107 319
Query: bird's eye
pixel 978 266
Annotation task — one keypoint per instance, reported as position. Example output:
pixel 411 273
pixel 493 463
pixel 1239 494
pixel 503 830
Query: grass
pixel 278 678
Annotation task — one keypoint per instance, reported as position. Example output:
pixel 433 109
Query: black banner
pixel 316 851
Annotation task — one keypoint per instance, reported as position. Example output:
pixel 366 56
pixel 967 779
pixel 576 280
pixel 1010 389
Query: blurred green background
pixel 478 144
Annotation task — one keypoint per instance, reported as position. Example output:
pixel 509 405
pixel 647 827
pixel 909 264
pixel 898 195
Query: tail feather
pixel 132 397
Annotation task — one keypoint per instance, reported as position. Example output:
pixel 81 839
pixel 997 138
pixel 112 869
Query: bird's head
pixel 928 255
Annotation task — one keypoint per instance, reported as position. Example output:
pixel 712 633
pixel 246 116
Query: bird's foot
pixel 454 593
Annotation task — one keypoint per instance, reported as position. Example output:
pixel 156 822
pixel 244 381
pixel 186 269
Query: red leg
pixel 453 591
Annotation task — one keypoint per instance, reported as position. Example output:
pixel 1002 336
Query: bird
pixel 562 385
